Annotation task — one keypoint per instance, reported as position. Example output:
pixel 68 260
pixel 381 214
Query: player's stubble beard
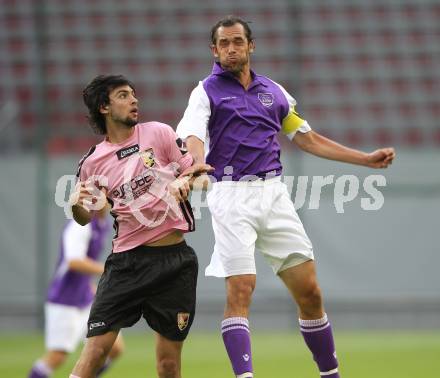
pixel 236 68
pixel 126 122
pixel 130 122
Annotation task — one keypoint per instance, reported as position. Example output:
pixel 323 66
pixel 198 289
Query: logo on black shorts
pixel 182 320
pixel 96 325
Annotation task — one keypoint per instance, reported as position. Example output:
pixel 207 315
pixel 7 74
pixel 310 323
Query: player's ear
pixel 251 46
pixel 103 109
pixel 214 51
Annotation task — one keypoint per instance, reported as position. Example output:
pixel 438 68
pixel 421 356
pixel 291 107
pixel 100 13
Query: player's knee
pixel 310 298
pixel 55 359
pixel 96 354
pixel 241 292
pixel 167 367
pixel 60 361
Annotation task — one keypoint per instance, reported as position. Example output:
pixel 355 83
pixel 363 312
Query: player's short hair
pixel 96 94
pixel 231 21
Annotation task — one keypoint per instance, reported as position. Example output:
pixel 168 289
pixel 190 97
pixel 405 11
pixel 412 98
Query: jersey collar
pixel 219 71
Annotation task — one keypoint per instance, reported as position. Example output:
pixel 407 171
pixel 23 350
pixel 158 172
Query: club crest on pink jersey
pixel 266 99
pixel 147 157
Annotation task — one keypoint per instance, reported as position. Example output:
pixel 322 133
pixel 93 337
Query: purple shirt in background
pixel 73 288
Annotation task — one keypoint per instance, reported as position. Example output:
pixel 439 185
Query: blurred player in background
pixel 151 271
pixel 71 293
pixel 235 115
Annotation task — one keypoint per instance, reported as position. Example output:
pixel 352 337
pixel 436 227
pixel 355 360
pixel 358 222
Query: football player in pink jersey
pixel 145 174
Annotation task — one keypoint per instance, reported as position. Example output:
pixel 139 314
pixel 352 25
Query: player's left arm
pixel 326 148
pixel 86 265
pixel 299 131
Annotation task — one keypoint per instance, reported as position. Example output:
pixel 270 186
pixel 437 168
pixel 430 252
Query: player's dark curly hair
pixel 231 21
pixel 96 94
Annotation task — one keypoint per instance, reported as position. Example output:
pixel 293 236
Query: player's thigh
pixel 170 307
pixel 119 297
pixel 235 216
pixel 283 240
pixel 65 326
pixel 233 222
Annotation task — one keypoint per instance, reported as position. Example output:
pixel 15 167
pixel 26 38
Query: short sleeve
pixel 176 149
pixel 81 173
pixel 196 117
pixel 76 240
pixel 293 122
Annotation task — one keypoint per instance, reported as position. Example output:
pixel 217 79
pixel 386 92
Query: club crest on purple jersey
pixel 266 99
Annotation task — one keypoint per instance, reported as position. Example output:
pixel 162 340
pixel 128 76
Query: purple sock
pixel 319 338
pixel 237 339
pixel 40 370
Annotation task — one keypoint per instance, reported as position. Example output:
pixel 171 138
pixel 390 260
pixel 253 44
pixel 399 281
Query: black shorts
pixel 156 282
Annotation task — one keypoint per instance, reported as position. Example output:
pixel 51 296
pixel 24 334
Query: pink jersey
pixel 136 174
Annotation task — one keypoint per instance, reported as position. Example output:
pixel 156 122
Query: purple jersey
pixel 239 126
pixel 74 288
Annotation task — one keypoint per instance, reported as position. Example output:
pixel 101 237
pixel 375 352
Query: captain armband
pixel 291 123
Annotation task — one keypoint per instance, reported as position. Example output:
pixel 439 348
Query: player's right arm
pixel 83 200
pixel 80 213
pixel 193 127
pixel 196 148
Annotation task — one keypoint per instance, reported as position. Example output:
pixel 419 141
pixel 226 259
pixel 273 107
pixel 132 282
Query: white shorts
pixel 65 326
pixel 255 215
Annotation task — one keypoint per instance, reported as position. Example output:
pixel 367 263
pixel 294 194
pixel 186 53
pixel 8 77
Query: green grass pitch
pixel 387 354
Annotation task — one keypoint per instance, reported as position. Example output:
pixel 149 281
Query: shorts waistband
pixel 159 249
pixel 246 183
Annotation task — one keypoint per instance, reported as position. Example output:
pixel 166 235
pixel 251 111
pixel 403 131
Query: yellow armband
pixel 291 122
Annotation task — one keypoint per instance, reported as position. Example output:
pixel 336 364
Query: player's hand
pixel 381 158
pixel 196 170
pixel 180 188
pixel 88 196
